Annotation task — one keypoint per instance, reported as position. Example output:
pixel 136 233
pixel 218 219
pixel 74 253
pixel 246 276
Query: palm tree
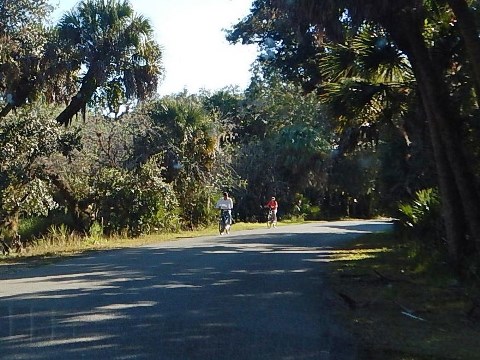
pixel 115 50
pixel 368 88
pixel 460 199
pixel 182 137
pixel 366 82
pixel 404 20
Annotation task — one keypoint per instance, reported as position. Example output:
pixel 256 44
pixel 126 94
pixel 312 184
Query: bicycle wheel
pixel 221 226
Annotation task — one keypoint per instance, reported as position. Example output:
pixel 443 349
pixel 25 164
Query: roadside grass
pixel 401 307
pixel 59 243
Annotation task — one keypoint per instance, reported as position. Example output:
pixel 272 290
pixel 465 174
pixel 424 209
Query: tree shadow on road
pixel 237 297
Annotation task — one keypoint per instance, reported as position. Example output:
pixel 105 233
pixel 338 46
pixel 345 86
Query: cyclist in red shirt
pixel 273 206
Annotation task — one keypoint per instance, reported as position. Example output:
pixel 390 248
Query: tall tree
pixel 458 188
pixel 182 136
pixel 404 20
pixel 117 50
pixel 286 47
pixel 369 89
pixel 468 25
pixel 23 37
pixel 284 141
pixel 101 51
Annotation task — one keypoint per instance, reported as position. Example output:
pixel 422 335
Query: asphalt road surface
pixel 256 294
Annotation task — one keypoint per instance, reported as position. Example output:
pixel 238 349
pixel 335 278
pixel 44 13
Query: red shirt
pixel 272 204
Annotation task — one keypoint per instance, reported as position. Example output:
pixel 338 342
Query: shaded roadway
pixel 257 294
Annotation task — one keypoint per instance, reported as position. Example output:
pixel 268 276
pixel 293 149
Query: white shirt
pixel 226 204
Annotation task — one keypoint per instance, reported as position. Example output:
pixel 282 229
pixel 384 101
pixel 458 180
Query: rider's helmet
pixel 273 197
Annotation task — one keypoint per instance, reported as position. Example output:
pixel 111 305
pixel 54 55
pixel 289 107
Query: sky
pixel 196 54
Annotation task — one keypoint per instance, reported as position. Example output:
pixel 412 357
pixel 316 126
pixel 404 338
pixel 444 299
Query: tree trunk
pixel 80 213
pixel 455 178
pixel 6 110
pixel 80 100
pixel 452 209
pixel 468 29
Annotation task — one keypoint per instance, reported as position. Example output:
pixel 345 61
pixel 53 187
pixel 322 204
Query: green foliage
pixel 182 131
pixel 182 135
pixel 300 147
pixel 285 139
pixel 31 227
pixel 57 238
pixel 286 47
pixel 96 231
pixel 132 173
pixel 420 218
pixel 312 212
pixel 59 234
pixel 364 82
pixel 27 140
pixel 404 167
pixel 421 208
pixel 112 51
pixel 23 38
pixel 136 202
pixel 33 198
pixel 368 87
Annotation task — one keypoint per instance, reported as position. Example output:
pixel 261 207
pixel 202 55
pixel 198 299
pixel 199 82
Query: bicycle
pixel 224 222
pixel 271 219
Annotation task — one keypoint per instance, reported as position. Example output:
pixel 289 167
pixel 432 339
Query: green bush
pixel 33 226
pixel 420 218
pixel 313 213
pixel 135 202
pixel 36 226
pixel 96 231
pixel 304 209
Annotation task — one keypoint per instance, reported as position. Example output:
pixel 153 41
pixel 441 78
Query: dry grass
pixel 61 244
pixel 400 309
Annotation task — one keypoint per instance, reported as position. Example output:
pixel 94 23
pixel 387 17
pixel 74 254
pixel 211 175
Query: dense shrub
pixel 135 201
pixel 420 218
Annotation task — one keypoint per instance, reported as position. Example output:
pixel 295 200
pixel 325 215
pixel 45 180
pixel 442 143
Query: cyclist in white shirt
pixel 226 203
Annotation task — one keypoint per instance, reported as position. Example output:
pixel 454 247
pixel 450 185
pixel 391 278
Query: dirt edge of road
pixel 398 308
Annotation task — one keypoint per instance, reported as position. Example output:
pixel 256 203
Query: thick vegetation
pixel 355 109
pixel 399 81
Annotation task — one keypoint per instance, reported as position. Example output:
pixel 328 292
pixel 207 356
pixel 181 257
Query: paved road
pixel 249 295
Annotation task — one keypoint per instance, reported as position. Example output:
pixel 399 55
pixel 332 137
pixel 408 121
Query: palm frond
pixel 353 98
pixel 338 62
pixel 378 58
